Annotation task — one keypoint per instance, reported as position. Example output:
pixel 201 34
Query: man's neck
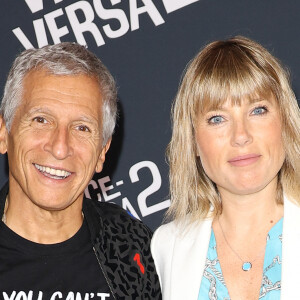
pixel 42 226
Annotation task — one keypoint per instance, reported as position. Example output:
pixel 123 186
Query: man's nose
pixel 59 143
pixel 241 135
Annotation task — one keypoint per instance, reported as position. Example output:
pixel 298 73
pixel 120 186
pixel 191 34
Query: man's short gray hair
pixel 61 59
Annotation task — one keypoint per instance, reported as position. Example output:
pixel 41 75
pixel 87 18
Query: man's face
pixel 55 142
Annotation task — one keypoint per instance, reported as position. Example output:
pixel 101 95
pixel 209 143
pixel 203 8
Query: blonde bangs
pixel 231 76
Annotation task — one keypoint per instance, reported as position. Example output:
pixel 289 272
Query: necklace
pixel 246 265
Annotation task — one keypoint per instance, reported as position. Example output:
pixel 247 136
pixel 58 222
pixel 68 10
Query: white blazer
pixel 180 257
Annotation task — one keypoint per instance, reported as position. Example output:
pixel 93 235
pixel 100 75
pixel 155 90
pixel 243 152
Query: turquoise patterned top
pixel 213 285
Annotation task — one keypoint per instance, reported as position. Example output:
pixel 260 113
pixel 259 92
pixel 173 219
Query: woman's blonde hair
pixel 232 69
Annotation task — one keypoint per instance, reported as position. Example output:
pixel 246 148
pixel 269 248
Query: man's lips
pixel 52 172
pixel 244 160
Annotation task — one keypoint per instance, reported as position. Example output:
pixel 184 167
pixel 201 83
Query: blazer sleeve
pixel 162 246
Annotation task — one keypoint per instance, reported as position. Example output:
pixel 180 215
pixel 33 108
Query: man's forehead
pixel 40 81
pixel 42 91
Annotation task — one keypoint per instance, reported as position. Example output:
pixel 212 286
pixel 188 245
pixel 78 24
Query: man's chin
pixel 54 201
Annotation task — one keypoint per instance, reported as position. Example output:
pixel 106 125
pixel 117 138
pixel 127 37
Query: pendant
pixel 246 266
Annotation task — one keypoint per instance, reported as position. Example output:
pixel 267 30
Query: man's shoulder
pixel 123 245
pixel 114 216
pixel 109 209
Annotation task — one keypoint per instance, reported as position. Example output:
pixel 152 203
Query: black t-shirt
pixel 63 271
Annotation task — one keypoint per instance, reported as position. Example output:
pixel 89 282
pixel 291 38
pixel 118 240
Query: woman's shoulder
pixel 165 236
pixel 173 241
pixel 171 228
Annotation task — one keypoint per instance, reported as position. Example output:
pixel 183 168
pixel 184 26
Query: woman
pixel 234 180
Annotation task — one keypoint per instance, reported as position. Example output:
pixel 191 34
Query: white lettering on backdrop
pixel 109 191
pixel 92 14
pixel 94 20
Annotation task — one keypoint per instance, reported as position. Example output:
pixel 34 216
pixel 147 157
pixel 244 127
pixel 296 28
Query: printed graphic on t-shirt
pixel 63 271
pixel 39 295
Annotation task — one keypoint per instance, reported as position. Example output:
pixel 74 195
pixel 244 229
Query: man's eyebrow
pixel 88 119
pixel 38 110
pixel 83 117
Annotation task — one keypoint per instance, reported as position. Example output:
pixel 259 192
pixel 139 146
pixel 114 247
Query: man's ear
pixel 3 136
pixel 101 158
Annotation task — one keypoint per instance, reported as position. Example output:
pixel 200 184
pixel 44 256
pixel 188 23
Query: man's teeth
pixel 54 172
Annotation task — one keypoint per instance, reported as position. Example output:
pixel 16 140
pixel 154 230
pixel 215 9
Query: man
pixel 57 117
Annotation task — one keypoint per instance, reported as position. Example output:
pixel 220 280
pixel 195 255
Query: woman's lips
pixel 244 160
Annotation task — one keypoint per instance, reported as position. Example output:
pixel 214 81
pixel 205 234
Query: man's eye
pixel 83 128
pixel 259 110
pixel 215 120
pixel 40 120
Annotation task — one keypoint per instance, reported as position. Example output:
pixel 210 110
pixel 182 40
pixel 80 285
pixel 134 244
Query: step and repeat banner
pixel 146 45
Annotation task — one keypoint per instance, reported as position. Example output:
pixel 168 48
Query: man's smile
pixel 53 173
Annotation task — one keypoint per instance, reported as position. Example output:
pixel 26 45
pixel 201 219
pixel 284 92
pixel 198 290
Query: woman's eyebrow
pixel 223 107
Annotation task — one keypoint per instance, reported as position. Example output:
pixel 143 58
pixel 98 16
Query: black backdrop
pixel 146 44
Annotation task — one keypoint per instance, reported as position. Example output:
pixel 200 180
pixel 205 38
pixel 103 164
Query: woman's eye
pixel 259 110
pixel 40 120
pixel 215 120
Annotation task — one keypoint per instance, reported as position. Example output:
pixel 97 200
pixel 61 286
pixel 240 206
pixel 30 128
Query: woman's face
pixel 241 147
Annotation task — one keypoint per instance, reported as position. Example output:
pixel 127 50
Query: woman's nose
pixel 241 135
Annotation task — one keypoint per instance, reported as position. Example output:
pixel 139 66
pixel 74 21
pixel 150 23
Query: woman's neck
pixel 250 212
